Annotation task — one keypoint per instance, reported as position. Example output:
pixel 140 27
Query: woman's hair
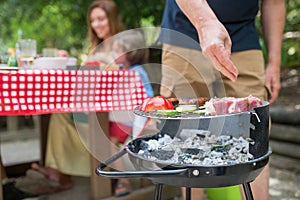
pixel 133 45
pixel 114 18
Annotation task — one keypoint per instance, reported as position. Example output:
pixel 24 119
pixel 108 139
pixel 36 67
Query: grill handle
pixel 133 174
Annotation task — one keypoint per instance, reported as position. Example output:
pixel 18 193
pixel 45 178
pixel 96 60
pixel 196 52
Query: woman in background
pixel 66 154
pixel 103 21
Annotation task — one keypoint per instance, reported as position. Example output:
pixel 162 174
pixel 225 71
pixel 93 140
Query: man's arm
pixel 214 39
pixel 273 20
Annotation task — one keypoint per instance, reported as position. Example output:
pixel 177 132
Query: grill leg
pixel 187 193
pixel 247 191
pixel 158 191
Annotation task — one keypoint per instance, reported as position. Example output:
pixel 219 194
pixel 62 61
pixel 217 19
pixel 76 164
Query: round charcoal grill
pixel 253 124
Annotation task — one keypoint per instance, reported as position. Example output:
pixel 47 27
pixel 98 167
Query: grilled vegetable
pixel 220 148
pixel 186 108
pixel 200 112
pixel 156 103
pixel 167 112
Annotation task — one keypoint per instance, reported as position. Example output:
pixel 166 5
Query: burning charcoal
pixel 184 158
pixel 201 135
pixel 162 155
pixel 219 142
pixel 207 161
pixel 143 145
pixel 166 139
pixel 168 147
pixel 218 161
pixel 212 140
pixel 153 145
pixel 191 151
pixel 220 148
pixel 231 162
pixel 250 140
pixel 244 150
pixel 188 133
pixel 208 149
pixel 216 154
pixel 195 157
pixel 241 158
pixel 232 151
pixel 141 152
pixel 250 156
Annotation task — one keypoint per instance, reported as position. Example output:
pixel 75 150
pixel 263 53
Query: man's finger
pixel 220 66
pixel 227 46
pixel 224 59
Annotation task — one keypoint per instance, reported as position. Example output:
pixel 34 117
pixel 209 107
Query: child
pixel 129 52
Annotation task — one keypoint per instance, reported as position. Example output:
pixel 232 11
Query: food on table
pixel 174 101
pixel 167 112
pixel 156 103
pixel 92 63
pixel 200 106
pixel 186 108
pixel 199 112
pixel 188 101
pixel 226 105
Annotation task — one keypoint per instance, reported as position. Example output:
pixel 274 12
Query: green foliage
pixel 291 41
pixel 290 52
pixel 54 23
pixel 133 11
pixel 62 23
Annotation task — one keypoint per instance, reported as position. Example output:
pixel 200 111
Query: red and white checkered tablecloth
pixel 27 92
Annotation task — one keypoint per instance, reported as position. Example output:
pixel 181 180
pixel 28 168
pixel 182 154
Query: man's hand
pixel 272 75
pixel 214 39
pixel 216 46
pixel 273 19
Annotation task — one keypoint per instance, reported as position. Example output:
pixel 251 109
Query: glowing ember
pixel 197 147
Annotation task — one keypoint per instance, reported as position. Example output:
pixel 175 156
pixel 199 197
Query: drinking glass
pixel 50 52
pixel 27 52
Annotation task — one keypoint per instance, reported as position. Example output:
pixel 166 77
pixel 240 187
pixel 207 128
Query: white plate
pixel 51 63
pixel 6 67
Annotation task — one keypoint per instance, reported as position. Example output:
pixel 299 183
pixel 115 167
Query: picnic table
pixel 43 92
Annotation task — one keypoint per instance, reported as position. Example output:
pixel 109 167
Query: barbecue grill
pixel 251 124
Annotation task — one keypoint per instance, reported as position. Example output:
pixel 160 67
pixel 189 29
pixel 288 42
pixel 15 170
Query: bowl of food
pixel 51 63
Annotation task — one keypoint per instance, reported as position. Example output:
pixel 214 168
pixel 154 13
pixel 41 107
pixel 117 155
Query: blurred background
pixel 62 24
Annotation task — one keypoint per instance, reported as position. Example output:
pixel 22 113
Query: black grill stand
pixel 248 191
pixel 159 187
